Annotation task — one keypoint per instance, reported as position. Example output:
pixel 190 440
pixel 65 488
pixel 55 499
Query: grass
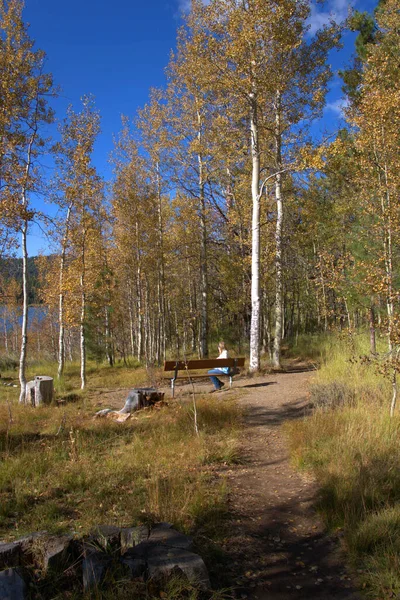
pixel 99 376
pixel 352 446
pixel 62 470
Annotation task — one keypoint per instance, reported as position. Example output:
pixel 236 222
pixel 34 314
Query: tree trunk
pixel 203 255
pixel 278 237
pixel 83 334
pixel 83 316
pixel 61 349
pixel 24 329
pixel 372 336
pixel 255 246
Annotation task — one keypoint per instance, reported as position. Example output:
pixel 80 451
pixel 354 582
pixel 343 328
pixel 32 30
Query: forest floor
pixel 276 544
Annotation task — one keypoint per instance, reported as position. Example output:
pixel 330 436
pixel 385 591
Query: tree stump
pixel 44 390
pixel 30 393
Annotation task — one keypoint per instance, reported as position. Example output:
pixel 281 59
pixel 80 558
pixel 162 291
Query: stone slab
pixel 10 555
pixel 12 585
pixel 132 536
pixel 164 562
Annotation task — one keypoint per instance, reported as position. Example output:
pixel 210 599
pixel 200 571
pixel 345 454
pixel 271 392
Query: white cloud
pixel 186 5
pixel 337 106
pixel 336 10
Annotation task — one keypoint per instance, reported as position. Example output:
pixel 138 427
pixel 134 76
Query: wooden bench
pixel 182 369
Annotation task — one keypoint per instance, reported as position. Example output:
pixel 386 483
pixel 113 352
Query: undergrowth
pixel 352 446
pixel 62 470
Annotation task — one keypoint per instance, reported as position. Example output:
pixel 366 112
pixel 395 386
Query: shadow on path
pixel 276 545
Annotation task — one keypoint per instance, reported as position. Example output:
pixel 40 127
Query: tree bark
pixel 255 245
pixel 203 254
pixel 24 329
pixel 61 335
pixel 278 236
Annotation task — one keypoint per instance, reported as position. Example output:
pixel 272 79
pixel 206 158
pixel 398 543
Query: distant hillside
pixel 11 268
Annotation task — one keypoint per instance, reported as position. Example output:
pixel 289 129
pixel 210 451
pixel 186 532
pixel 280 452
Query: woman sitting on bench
pixel 218 384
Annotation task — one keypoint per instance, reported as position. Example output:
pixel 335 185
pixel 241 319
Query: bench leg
pixel 173 387
pixel 230 381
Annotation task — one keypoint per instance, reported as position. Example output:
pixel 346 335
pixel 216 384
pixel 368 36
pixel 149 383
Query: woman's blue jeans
pixel 217 383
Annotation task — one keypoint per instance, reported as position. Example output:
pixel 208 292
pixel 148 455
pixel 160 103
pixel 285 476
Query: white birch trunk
pixel 278 238
pixel 82 324
pixel 203 333
pixel 255 245
pixel 24 329
pixel 61 334
pixel 82 335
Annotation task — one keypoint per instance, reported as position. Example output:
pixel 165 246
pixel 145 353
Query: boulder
pixel 164 561
pixel 94 568
pixel 106 536
pixel 10 555
pixel 12 585
pixel 136 566
pixel 132 536
pixel 162 533
pixel 56 551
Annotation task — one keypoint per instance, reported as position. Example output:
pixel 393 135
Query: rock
pixel 132 536
pixel 94 568
pixel 137 566
pixel 28 541
pixel 106 535
pixel 162 533
pixel 56 551
pixel 165 561
pixel 12 585
pixel 10 555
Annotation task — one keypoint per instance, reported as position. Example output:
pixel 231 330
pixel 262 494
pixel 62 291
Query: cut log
pixel 44 390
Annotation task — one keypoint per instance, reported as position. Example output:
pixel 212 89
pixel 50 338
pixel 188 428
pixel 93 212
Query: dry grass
pixel 63 470
pixel 352 446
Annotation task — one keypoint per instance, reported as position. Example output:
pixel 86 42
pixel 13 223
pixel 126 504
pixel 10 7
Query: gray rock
pixel 94 568
pixel 56 551
pixel 28 541
pixel 137 566
pixel 162 533
pixel 106 535
pixel 12 585
pixel 10 555
pixel 132 536
pixel 164 562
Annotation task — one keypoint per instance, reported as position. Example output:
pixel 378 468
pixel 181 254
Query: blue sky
pixel 118 50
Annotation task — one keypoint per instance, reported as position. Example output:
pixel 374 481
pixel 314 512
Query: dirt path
pixel 277 543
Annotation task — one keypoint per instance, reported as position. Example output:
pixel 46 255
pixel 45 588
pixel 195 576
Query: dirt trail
pixel 277 543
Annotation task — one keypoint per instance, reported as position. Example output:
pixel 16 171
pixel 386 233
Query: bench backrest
pixel 206 363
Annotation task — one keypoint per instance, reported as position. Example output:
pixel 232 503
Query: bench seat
pixel 189 369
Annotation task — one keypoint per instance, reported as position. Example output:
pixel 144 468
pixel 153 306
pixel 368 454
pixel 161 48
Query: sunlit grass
pixel 352 446
pixel 98 376
pixel 63 470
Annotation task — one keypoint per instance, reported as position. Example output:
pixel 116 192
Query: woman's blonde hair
pixel 222 346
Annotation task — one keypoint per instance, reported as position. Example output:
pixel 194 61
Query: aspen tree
pixel 24 90
pixel 82 190
pixel 258 55
pixel 376 114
